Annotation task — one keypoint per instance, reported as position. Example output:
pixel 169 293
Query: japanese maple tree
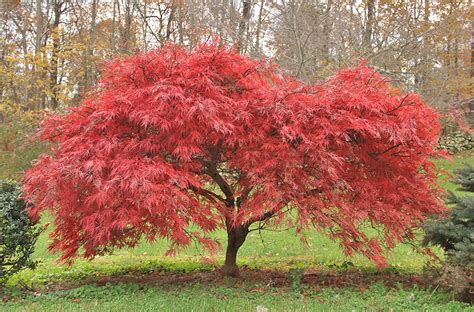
pixel 176 139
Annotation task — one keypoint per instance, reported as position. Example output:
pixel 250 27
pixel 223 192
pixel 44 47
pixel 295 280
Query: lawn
pixel 197 297
pixel 276 251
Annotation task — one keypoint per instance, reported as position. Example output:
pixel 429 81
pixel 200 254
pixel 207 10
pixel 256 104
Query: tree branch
pixel 211 170
pixel 265 216
pixel 386 150
pixel 208 194
pixel 400 105
pixel 245 195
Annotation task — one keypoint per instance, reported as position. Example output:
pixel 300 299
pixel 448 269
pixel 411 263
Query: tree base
pixel 230 270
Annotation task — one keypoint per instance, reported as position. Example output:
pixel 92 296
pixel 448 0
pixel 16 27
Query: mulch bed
pixel 352 278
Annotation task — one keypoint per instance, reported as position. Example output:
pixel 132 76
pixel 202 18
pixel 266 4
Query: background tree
pixel 176 140
pixel 60 45
pixel 17 233
pixel 454 233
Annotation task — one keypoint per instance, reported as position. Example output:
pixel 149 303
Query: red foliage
pixel 174 138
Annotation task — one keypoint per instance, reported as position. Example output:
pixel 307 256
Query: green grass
pixel 280 251
pixel 449 165
pixel 131 297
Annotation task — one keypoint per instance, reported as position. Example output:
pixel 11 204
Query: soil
pixel 318 279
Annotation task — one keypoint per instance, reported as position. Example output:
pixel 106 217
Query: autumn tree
pixel 176 140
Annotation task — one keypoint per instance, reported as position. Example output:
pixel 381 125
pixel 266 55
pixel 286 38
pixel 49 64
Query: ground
pixel 279 273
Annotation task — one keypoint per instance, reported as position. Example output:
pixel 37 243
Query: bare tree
pixel 369 24
pixel 244 24
pixel 59 7
pixel 90 65
pixel 126 34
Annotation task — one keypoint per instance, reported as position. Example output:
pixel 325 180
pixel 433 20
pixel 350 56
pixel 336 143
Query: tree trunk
pixel 472 48
pixel 54 62
pixel 259 28
pixel 39 27
pixel 327 25
pixel 243 25
pixel 90 64
pixel 235 238
pixel 369 25
pixel 113 42
pixel 128 27
pixel 170 21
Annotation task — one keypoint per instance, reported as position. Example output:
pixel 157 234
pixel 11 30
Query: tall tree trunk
pixel 28 66
pixel 235 238
pixel 472 49
pixel 456 54
pixel 449 44
pixel 259 27
pixel 425 57
pixel 53 73
pixel 169 23
pixel 4 15
pixel 369 25
pixel 327 25
pixel 470 117
pixel 90 71
pixel 113 42
pixel 39 27
pixel 180 24
pixel 192 23
pixel 128 27
pixel 243 25
pixel 427 11
pixel 144 26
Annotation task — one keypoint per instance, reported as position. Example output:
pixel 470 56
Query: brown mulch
pixel 319 279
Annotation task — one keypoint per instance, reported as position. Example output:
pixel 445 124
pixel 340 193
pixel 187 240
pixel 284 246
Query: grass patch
pixel 198 297
pixel 450 165
pixel 281 251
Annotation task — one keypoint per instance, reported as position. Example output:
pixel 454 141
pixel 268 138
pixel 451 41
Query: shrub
pixel 465 178
pixel 455 233
pixel 17 233
pixel 457 142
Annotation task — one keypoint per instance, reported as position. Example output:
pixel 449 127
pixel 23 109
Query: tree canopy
pixel 176 143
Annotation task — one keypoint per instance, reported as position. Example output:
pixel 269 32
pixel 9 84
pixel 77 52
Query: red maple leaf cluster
pixel 176 139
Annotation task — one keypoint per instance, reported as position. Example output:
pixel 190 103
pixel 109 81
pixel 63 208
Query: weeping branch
pixel 399 105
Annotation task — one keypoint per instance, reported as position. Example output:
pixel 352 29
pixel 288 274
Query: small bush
pixel 457 142
pixel 455 233
pixel 465 178
pixel 17 233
